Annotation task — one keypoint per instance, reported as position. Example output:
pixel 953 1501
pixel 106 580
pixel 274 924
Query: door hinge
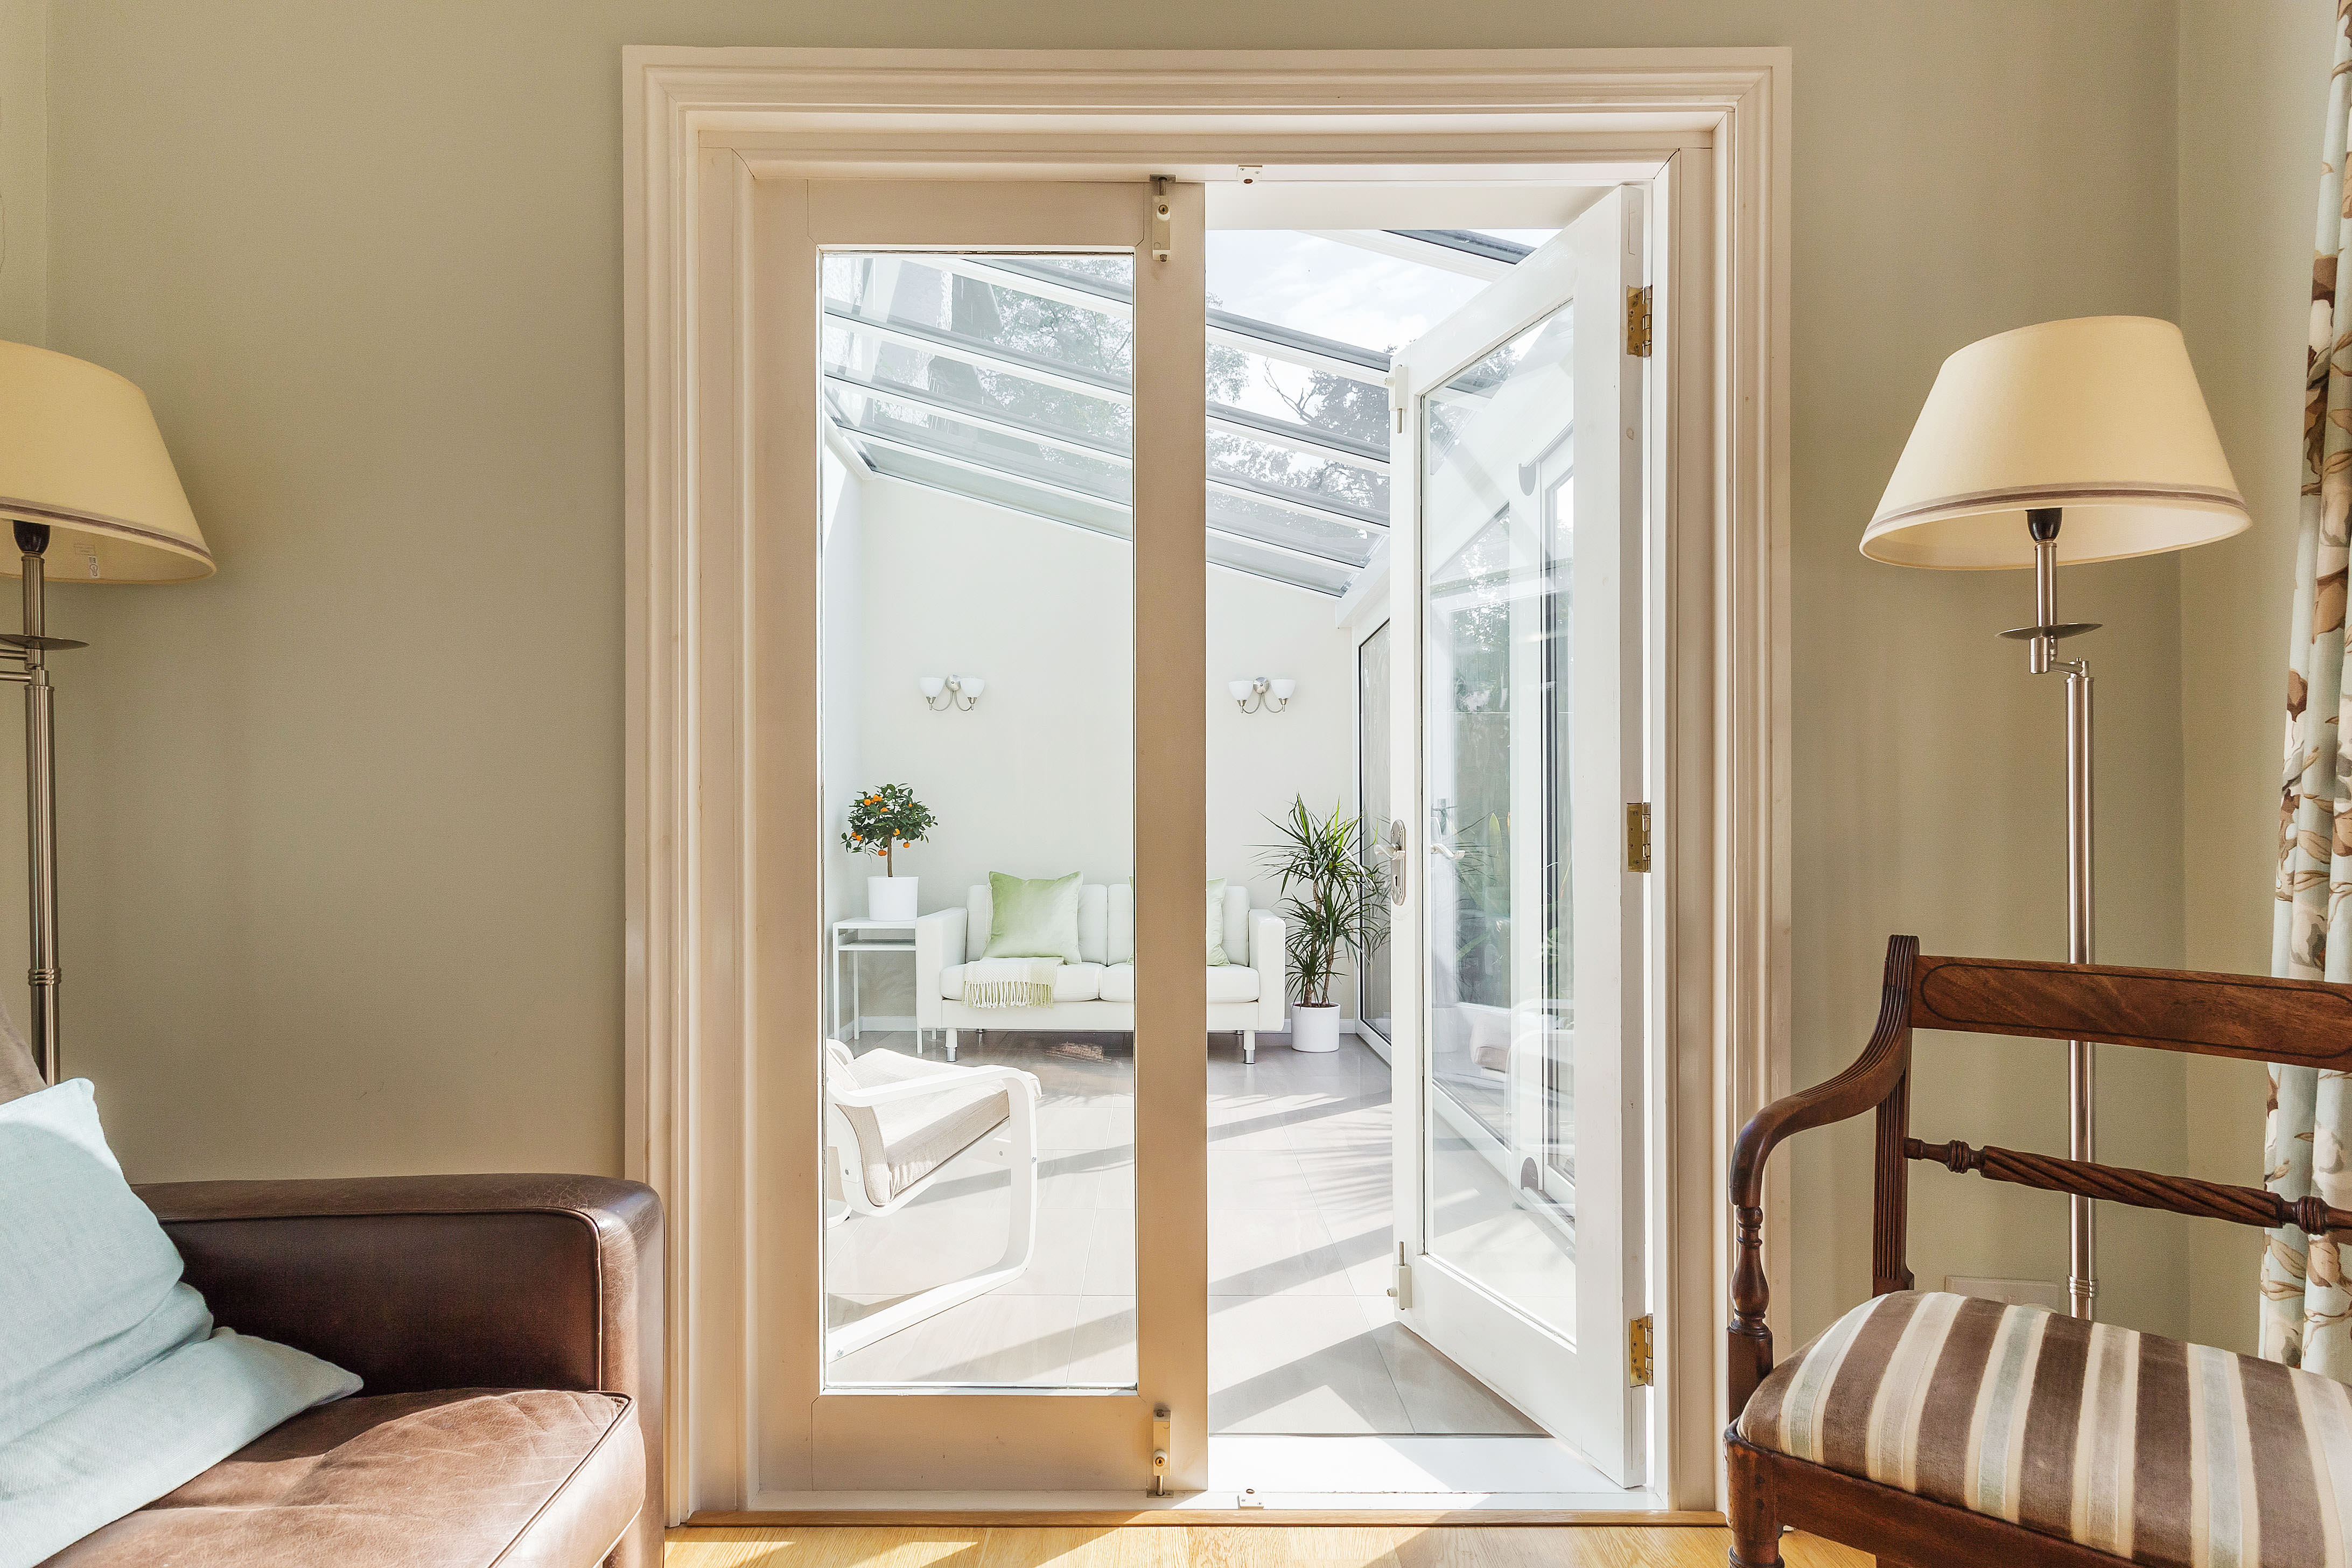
pixel 1637 322
pixel 1159 1450
pixel 1161 244
pixel 1638 1352
pixel 1637 836
pixel 1402 1289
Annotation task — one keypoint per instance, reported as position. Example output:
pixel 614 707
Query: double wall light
pixel 942 692
pixel 1258 692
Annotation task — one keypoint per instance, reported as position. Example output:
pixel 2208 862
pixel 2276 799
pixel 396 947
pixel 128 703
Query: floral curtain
pixel 2306 1312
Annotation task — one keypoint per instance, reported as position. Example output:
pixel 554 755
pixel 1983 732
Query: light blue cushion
pixel 115 1387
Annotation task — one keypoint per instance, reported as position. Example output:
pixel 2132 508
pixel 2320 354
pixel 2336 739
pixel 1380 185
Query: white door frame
pixel 703 127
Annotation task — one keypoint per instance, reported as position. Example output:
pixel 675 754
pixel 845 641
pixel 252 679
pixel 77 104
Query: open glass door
pixel 1519 1022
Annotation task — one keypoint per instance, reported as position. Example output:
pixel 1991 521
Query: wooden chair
pixel 1928 1428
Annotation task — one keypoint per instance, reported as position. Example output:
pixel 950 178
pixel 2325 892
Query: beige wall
pixel 2254 88
pixel 344 843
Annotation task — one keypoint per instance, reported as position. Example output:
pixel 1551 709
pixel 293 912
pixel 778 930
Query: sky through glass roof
pixel 1007 380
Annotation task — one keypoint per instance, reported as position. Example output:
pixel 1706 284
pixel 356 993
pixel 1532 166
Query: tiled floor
pixel 1302 1336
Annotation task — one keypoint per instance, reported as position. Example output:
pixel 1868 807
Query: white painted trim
pixel 702 127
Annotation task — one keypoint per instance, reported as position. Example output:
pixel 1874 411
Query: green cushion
pixel 1032 919
pixel 1217 959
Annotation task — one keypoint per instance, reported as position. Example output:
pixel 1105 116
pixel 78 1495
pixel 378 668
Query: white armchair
pixel 892 1123
pixel 1249 992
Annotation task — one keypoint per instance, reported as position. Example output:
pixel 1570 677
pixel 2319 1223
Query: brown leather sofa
pixel 509 1330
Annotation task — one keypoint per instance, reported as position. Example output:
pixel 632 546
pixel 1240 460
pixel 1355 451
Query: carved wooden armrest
pixel 1879 1080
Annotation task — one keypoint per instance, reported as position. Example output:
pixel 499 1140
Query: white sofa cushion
pixel 1234 983
pixel 1071 983
pixel 1120 944
pixel 1237 908
pixel 1094 922
pixel 1120 909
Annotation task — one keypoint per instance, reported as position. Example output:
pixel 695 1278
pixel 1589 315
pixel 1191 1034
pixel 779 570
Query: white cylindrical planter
pixel 1314 1029
pixel 890 898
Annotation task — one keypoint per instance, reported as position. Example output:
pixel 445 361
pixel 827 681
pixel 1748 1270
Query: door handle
pixel 1396 847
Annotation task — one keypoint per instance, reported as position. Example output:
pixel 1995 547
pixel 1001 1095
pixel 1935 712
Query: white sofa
pixel 1250 993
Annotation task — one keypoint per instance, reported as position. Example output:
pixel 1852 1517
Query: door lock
pixel 1396 846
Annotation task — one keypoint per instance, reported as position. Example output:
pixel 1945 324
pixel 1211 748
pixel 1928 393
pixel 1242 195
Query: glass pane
pixel 1498 749
pixel 1322 536
pixel 1351 489
pixel 978 584
pixel 1298 571
pixel 1351 411
pixel 1373 724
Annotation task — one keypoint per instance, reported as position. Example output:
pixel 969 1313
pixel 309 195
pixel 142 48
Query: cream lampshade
pixel 79 451
pixel 94 498
pixel 2100 416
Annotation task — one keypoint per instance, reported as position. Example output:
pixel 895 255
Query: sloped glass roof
pixel 1008 380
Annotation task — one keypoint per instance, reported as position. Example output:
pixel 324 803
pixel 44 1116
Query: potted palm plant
pixel 1336 911
pixel 880 821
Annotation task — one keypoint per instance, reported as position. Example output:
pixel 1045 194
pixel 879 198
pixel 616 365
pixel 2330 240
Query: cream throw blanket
pixel 1010 982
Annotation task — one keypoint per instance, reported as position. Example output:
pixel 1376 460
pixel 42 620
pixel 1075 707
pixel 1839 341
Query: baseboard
pixel 1014 1516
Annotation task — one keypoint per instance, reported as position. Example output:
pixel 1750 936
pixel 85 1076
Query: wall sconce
pixel 943 693
pixel 1258 692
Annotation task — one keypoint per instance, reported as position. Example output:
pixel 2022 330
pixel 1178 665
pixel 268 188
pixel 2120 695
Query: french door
pixel 891 1347
pixel 1515 948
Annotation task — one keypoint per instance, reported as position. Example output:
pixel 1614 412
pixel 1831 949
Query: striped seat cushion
pixel 2154 1451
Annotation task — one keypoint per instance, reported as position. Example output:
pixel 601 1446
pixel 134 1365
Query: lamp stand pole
pixel 40 798
pixel 2042 658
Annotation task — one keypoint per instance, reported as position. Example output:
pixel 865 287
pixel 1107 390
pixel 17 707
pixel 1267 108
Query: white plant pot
pixel 1314 1029
pixel 890 898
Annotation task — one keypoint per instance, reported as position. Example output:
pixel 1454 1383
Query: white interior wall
pixel 1037 780
pixel 844 619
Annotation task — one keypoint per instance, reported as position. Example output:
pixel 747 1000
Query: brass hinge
pixel 1638 1352
pixel 1637 322
pixel 1637 836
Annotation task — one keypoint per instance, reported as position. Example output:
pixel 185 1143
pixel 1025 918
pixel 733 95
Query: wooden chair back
pixel 2304 1022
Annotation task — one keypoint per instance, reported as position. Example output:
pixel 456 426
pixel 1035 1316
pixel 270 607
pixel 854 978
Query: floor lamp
pixel 94 498
pixel 2070 441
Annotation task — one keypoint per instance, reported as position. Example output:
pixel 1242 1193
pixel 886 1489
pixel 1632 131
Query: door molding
pixel 703 127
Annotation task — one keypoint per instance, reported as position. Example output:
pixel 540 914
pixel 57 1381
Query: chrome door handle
pixel 1396 847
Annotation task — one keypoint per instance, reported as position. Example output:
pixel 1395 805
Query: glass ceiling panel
pixel 1316 400
pixel 1281 472
pixel 999 489
pixel 902 424
pixel 1322 577
pixel 1007 379
pixel 1328 539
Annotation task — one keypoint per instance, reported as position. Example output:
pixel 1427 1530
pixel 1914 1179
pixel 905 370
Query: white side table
pixel 850 939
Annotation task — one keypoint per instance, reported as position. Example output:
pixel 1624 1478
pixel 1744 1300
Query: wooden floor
pixel 1232 1546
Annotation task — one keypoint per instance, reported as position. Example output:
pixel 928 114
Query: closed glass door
pixel 1002 386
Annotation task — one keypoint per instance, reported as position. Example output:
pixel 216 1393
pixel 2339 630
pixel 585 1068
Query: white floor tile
pixel 1302 1338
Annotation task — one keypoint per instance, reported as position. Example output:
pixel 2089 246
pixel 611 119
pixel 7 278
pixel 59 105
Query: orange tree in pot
pixel 880 821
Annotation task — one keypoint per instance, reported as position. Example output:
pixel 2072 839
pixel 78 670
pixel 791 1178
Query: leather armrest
pixel 425 1282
